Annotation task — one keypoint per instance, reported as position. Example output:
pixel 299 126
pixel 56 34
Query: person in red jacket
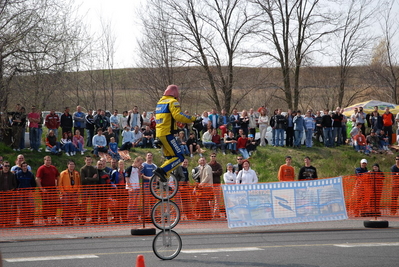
pixel 52 122
pixel 388 120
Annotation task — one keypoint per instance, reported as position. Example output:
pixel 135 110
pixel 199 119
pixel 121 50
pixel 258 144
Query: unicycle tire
pixel 165 215
pixel 164 190
pixel 167 245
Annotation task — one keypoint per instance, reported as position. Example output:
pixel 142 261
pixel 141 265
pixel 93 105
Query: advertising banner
pixel 284 202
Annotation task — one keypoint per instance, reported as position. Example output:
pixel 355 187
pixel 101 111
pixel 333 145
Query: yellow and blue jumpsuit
pixel 167 113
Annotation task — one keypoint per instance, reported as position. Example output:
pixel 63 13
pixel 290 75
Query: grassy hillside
pixel 330 162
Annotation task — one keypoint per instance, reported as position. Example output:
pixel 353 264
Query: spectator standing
pixel 246 175
pixel 309 128
pixel 253 118
pixel 286 173
pixel 244 122
pixel 214 118
pixel 69 186
pixel 115 123
pixel 307 172
pixel 361 118
pixel 134 118
pixel 52 122
pixel 118 178
pixel 337 127
pixel 299 127
pixel 289 132
pixel 273 120
pixel 224 122
pixel 263 122
pixel 319 129
pixel 388 120
pixel 281 124
pixel 133 174
pixel 25 185
pixel 34 139
pixel 89 179
pixel 395 186
pixel 146 173
pixel 229 176
pixel 376 122
pixel 79 119
pixel 90 125
pixel 326 123
pixel 217 172
pixel 358 193
pixel 66 121
pixel 235 122
pixel 8 183
pixel 343 128
pixel 204 190
pixel 47 177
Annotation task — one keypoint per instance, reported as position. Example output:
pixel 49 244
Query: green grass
pixel 330 162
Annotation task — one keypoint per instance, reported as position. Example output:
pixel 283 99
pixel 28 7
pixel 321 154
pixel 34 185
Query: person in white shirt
pixel 133 174
pixel 246 175
pixel 230 176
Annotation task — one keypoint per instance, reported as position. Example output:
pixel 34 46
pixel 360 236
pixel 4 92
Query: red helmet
pixel 172 90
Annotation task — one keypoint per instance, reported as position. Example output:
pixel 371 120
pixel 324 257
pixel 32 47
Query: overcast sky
pixel 121 15
pixel 126 26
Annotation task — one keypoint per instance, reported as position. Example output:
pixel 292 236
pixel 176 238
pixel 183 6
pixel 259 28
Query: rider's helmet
pixel 172 90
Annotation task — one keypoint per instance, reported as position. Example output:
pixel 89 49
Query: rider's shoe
pixel 161 174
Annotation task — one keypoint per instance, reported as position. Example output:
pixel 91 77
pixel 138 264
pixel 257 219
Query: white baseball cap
pixel 363 161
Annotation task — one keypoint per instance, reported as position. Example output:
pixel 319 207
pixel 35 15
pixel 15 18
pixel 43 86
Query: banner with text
pixel 284 202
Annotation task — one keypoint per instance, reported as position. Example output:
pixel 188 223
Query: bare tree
pixel 37 37
pixel 384 64
pixel 209 34
pixel 354 39
pixel 291 29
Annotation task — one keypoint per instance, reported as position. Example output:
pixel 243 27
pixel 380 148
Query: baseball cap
pixel 250 135
pixel 363 161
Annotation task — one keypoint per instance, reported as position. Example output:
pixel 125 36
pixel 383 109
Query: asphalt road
pixel 362 247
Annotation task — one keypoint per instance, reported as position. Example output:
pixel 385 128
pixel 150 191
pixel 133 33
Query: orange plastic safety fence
pixel 102 205
pixel 371 194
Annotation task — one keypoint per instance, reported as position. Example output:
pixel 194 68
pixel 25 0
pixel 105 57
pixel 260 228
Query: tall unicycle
pixel 165 215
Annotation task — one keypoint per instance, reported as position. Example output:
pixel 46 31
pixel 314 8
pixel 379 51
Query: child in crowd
pixel 113 149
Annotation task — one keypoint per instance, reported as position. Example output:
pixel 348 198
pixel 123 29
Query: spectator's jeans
pixel 69 147
pixel 79 148
pixel 184 149
pixel 126 146
pixel 210 145
pixel 279 137
pixel 22 139
pixel 54 149
pixel 359 147
pixel 147 142
pixel 298 137
pixel 244 152
pixel 116 132
pixel 273 137
pixel 90 134
pixel 114 155
pixel 262 130
pixel 309 133
pixel 335 135
pixel 232 146
pixel 99 149
pixel 343 134
pixel 33 137
pixel 327 136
